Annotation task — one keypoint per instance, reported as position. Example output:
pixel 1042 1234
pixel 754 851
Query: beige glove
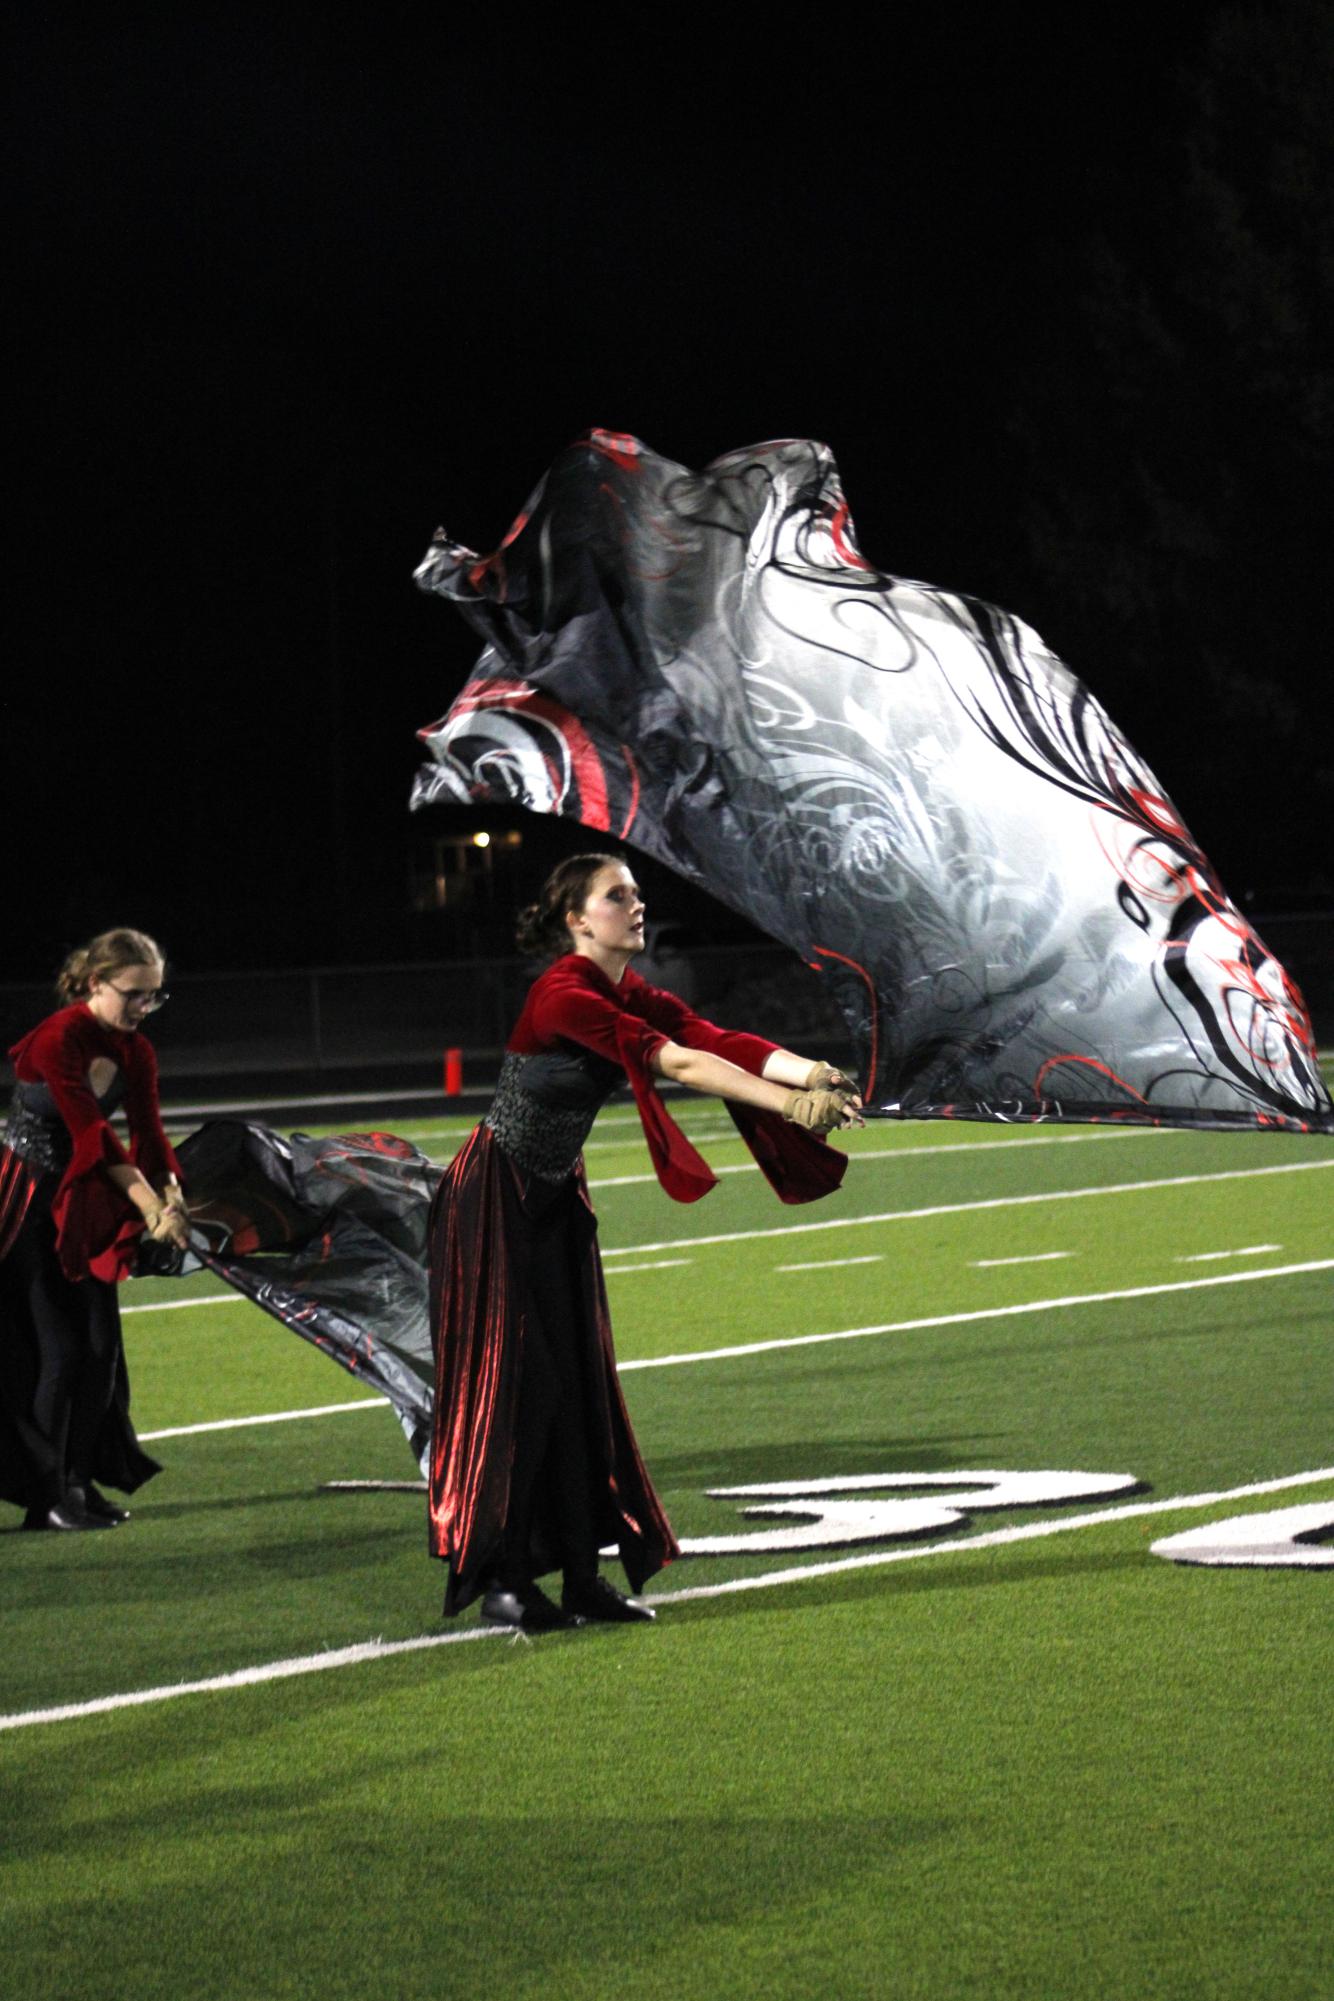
pixel 171 1223
pixel 815 1111
pixel 824 1077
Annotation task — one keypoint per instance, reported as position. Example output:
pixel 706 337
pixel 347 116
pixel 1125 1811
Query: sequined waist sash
pixel 542 1136
pixel 37 1135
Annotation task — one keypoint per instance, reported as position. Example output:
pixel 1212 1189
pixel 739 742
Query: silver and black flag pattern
pixel 901 783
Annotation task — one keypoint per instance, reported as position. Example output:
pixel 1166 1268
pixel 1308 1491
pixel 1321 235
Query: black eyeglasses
pixel 152 997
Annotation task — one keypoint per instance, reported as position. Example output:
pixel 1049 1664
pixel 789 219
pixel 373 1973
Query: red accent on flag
pixel 842 521
pixel 594 809
pixel 827 952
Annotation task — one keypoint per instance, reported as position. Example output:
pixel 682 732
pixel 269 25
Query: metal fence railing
pixel 338 1019
pixel 332 1019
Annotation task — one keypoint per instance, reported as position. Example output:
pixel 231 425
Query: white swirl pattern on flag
pixel 901 783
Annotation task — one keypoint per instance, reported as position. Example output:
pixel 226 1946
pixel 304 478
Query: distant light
pixel 481 840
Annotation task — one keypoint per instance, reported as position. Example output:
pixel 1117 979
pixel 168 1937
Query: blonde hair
pixel 110 952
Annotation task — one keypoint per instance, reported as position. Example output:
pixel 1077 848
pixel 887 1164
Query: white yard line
pixel 1028 1258
pixel 267 1417
pixel 899 1152
pixel 969 1208
pixel 376 1650
pixel 239 1298
pixel 337 1657
pixel 1210 1257
pixel 886 1215
pixel 804 1340
pixel 175 1305
pixel 977 1313
pixel 460 1127
pixel 835 1264
pixel 658 1264
pixel 973 1147
pixel 699 1135
pixel 880 1216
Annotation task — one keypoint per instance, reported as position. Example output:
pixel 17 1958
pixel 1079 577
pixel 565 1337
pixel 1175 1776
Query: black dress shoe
pixel 595 1598
pixel 526 1608
pixel 64 1514
pixel 94 1502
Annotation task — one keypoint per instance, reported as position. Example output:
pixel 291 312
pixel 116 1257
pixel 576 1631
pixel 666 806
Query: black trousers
pixel 64 1391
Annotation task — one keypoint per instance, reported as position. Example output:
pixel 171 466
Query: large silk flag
pixel 901 783
pixel 327 1235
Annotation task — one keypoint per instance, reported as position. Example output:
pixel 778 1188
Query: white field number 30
pixel 878 1507
pixel 873 1507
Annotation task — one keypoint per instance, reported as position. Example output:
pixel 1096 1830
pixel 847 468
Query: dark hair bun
pixel 528 932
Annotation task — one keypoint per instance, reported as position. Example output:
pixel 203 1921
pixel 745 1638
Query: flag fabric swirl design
pixel 903 784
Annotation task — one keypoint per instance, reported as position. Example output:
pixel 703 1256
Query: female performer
pixel 73 1202
pixel 534 1466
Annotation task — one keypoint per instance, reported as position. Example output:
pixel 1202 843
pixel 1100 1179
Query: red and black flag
pixel 901 783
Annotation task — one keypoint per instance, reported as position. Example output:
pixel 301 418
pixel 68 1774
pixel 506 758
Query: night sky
pixel 291 293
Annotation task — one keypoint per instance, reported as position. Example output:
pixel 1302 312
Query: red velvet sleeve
pixel 565 1004
pixel 798 1166
pixel 627 1023
pixel 96 1225
pixel 150 1149
pixel 678 1023
pixel 575 1002
pixel 57 1054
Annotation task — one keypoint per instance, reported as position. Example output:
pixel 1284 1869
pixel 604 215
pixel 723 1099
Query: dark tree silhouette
pixel 1179 433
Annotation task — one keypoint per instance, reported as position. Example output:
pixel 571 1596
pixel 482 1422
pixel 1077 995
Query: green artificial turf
pixel 1059 1766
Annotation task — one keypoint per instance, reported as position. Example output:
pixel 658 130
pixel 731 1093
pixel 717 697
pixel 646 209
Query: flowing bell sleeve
pixel 798 1166
pixel 150 1149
